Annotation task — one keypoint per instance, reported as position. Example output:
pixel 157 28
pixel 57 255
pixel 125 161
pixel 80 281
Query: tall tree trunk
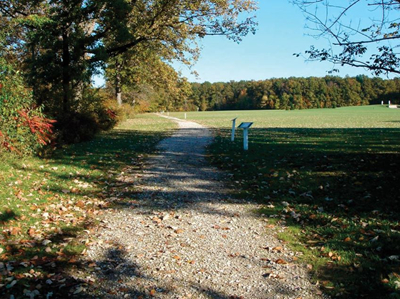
pixel 118 83
pixel 66 60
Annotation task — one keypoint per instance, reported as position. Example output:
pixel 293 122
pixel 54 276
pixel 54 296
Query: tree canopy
pixel 59 45
pixel 62 43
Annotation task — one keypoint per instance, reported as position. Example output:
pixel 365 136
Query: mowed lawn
pixel 332 177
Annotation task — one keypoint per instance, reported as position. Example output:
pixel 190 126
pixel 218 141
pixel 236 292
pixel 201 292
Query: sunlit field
pixel 331 176
pixel 346 117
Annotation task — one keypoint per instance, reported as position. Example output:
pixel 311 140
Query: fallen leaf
pixel 278 248
pixel 72 260
pixel 15 231
pixel 280 261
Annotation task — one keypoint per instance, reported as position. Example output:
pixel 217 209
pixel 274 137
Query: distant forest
pixel 294 93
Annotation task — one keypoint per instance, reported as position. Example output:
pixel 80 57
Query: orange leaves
pixel 31 232
pixel 281 262
pixel 152 292
pixel 40 126
pixel 15 231
pixel 80 204
pixel 330 254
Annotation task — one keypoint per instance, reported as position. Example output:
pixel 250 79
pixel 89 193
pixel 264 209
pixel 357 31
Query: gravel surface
pixel 183 237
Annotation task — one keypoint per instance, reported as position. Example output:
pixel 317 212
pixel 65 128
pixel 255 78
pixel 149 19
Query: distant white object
pixel 233 129
pixel 185 115
pixel 245 127
pixel 389 103
pixel 382 103
pixel 393 106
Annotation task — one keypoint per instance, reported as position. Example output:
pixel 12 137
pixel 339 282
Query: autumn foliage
pixel 23 127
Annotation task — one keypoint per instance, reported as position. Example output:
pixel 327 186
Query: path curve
pixel 181 236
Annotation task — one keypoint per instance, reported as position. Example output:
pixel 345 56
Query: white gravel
pixel 183 237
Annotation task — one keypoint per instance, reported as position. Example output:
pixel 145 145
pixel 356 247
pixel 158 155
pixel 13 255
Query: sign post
pixel 245 127
pixel 233 129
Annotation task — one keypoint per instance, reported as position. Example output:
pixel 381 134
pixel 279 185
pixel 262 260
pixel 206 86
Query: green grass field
pixel 331 176
pixel 346 117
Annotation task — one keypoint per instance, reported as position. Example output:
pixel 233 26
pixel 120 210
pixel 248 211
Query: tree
pixel 66 41
pixel 362 34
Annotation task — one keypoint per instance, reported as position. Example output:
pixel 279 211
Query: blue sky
pixel 267 54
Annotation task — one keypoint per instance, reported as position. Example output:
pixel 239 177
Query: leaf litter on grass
pixel 49 208
pixel 336 190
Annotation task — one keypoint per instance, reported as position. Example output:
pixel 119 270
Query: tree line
pixel 292 93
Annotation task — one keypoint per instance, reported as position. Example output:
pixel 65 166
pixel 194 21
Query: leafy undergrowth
pixel 337 191
pixel 48 206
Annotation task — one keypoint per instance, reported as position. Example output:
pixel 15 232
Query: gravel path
pixel 183 237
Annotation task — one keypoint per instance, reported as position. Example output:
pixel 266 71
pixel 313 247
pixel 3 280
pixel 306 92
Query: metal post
pixel 245 127
pixel 245 139
pixel 233 129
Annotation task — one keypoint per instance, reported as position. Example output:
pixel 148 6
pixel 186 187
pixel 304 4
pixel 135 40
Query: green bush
pixel 23 126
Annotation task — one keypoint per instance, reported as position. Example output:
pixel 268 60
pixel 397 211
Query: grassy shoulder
pixel 45 204
pixel 335 188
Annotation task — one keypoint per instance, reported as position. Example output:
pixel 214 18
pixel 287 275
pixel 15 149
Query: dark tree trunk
pixel 66 61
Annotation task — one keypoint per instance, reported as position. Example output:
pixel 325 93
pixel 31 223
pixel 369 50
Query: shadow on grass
pixel 322 174
pixel 338 188
pixel 7 215
pixel 44 265
pixel 36 260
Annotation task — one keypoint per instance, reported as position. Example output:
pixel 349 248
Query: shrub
pixel 23 127
pixel 89 116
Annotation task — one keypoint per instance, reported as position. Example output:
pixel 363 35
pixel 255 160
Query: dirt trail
pixel 181 236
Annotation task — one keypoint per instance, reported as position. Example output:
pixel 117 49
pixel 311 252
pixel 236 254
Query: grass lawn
pixel 46 203
pixel 332 176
